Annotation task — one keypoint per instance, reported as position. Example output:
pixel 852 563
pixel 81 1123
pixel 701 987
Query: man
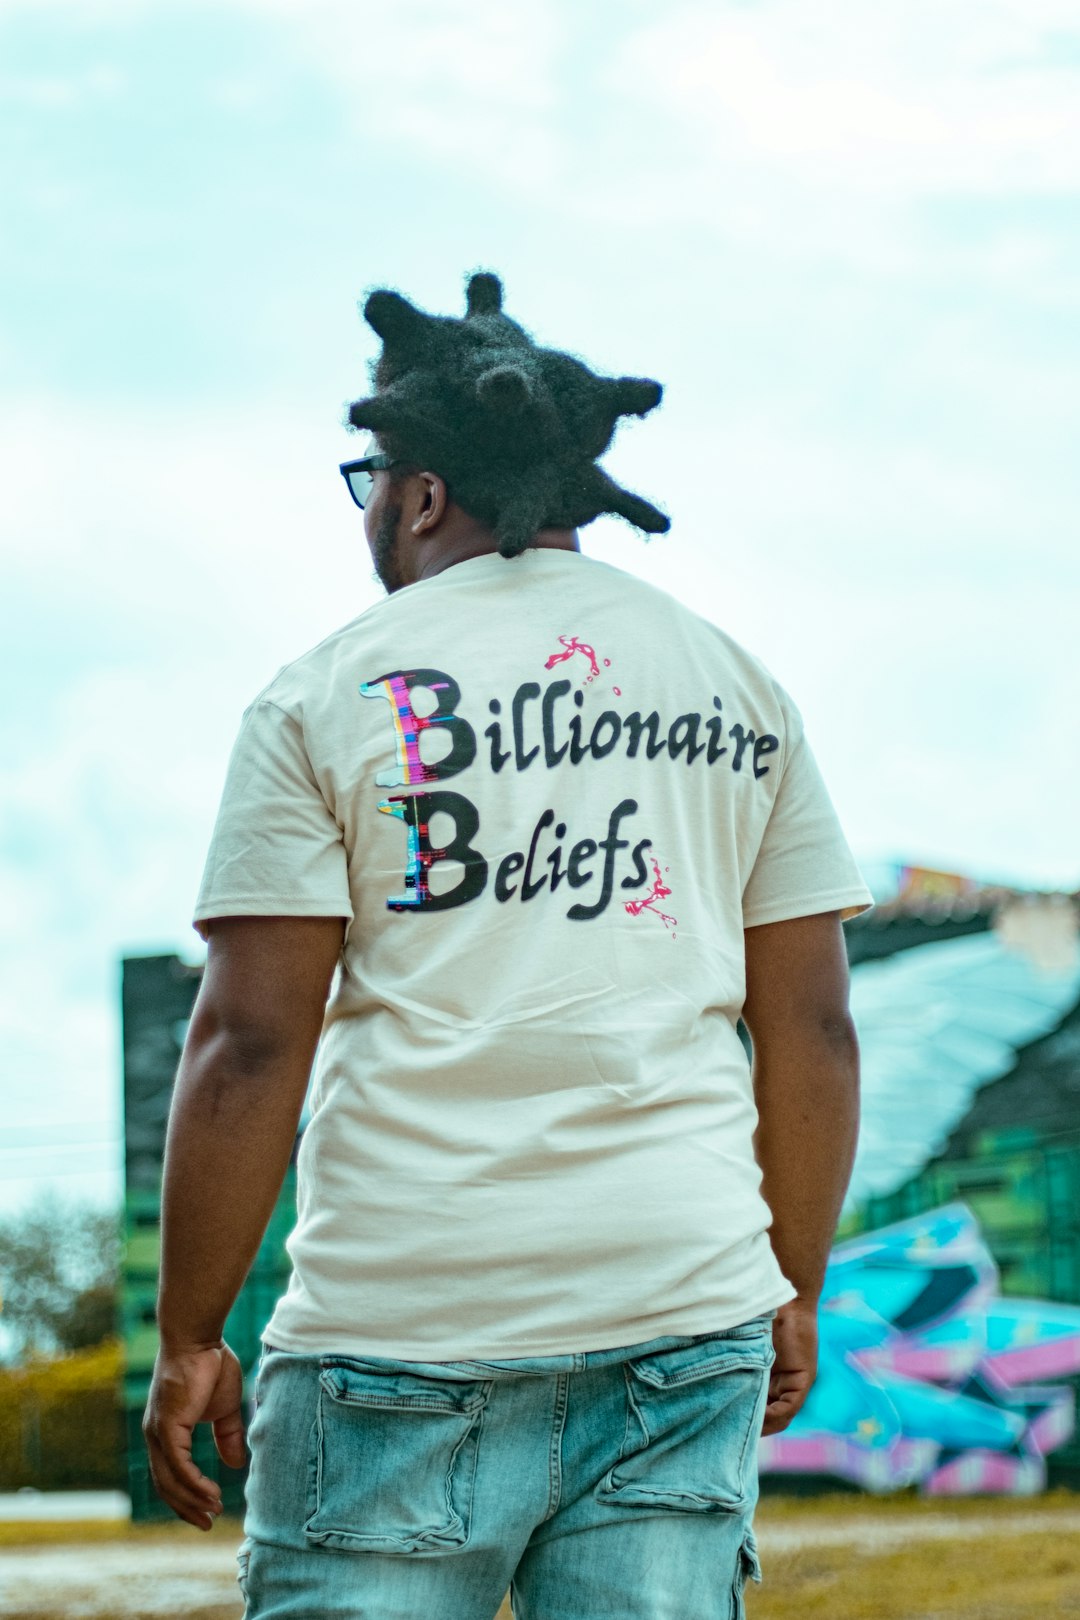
pixel 550 834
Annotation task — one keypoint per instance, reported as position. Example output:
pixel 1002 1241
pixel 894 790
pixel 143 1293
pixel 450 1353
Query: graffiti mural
pixel 928 1376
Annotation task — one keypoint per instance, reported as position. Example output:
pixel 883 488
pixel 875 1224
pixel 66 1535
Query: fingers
pixel 795 1341
pixel 173 1438
pixel 197 1383
pixel 787 1395
pixel 779 1412
pixel 229 1439
pixel 177 1479
pixel 198 1507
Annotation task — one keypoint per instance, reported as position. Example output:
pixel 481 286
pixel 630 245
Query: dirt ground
pixel 839 1558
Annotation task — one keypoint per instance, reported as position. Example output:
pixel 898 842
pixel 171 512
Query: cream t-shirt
pixel 548 798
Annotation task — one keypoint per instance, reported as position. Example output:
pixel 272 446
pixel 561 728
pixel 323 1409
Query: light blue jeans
pixel 605 1485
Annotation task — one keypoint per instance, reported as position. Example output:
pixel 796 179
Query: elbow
pixel 236 1046
pixel 823 1042
pixel 837 1030
pixel 837 1041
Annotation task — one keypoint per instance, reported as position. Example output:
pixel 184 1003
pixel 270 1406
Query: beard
pixel 384 552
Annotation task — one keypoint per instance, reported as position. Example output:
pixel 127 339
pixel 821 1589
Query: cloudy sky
pixel 846 239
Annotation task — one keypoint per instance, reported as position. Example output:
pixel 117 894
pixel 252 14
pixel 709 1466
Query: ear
pixel 427 517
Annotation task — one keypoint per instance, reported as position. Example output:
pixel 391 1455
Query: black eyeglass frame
pixel 368 464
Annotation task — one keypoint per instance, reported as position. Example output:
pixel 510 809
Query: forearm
pixel 807 1094
pixel 231 1130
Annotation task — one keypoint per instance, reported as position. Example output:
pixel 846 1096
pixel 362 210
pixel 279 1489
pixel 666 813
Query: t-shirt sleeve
pixel 276 848
pixel 803 865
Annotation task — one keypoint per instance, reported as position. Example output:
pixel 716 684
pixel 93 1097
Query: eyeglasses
pixel 357 474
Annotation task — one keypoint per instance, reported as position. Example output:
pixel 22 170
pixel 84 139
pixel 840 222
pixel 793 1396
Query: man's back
pixel 532 1120
pixel 522 843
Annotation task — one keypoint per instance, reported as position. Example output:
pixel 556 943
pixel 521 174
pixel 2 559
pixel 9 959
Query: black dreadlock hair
pixel 514 429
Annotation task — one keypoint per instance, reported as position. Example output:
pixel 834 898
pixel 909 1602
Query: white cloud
pixel 907 96
pixel 896 97
pixel 467 85
pixel 811 135
pixel 807 135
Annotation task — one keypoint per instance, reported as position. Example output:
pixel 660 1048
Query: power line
pixel 49 1175
pixel 58 1125
pixel 64 1147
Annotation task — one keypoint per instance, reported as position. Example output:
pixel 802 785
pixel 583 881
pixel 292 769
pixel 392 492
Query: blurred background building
pixel 158 993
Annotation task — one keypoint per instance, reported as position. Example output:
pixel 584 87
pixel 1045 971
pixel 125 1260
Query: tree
pixel 59 1275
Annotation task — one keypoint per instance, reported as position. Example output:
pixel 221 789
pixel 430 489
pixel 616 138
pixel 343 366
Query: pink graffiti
pixel 659 891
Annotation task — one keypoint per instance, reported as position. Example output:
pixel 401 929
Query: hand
pixel 795 1340
pixel 199 1384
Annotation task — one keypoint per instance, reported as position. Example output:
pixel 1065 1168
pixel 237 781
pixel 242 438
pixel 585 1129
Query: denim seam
pixel 406 1403
pixel 313 1508
pixel 766 1370
pixel 631 1406
pixel 562 1402
pixel 455 1521
pixel 716 1367
pixel 632 1410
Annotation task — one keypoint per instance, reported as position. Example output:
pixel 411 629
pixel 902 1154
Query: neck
pixel 482 544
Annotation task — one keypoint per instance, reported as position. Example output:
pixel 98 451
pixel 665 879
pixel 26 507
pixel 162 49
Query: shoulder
pixel 690 627
pixel 296 680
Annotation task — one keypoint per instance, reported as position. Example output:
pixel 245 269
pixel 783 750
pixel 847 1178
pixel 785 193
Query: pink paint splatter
pixel 659 891
pixel 573 645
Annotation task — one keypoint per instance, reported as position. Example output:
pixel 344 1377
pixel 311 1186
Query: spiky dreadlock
pixel 514 429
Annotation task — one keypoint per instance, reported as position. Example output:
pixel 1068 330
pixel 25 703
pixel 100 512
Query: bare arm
pixel 806 1086
pixel 235 1110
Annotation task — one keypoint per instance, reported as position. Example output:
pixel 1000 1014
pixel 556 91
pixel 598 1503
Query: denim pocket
pixel 393 1459
pixel 692 1414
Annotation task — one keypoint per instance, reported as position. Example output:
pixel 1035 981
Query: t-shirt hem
pixel 706 1321
pixel 270 905
pixel 849 902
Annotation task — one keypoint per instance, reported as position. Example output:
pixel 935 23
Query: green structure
pixel 157 997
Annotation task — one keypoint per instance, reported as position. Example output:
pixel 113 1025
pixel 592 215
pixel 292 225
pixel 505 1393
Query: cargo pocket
pixel 748 1568
pixel 393 1460
pixel 693 1418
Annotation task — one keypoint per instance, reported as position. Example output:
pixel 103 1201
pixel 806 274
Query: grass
pixel 906 1504
pixel 1017 1577
pixel 1030 1575
pixel 77 1531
